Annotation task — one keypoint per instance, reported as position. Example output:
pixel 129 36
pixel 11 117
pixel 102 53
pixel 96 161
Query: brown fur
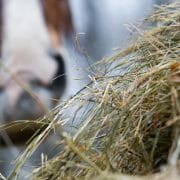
pixel 20 133
pixel 58 18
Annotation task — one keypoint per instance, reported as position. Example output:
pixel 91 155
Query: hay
pixel 129 116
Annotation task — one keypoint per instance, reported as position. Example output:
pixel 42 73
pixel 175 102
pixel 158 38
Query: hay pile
pixel 129 116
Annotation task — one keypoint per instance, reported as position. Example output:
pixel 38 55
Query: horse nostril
pixel 32 104
pixel 58 84
pixel 27 107
pixel 25 103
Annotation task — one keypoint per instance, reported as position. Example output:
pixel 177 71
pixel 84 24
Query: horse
pixel 32 65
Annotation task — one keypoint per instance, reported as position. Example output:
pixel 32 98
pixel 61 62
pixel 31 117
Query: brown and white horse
pixel 32 56
pixel 32 63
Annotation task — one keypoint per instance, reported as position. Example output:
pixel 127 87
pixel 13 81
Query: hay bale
pixel 130 114
pixel 132 125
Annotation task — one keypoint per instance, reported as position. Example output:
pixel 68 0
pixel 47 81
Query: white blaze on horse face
pixel 26 40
